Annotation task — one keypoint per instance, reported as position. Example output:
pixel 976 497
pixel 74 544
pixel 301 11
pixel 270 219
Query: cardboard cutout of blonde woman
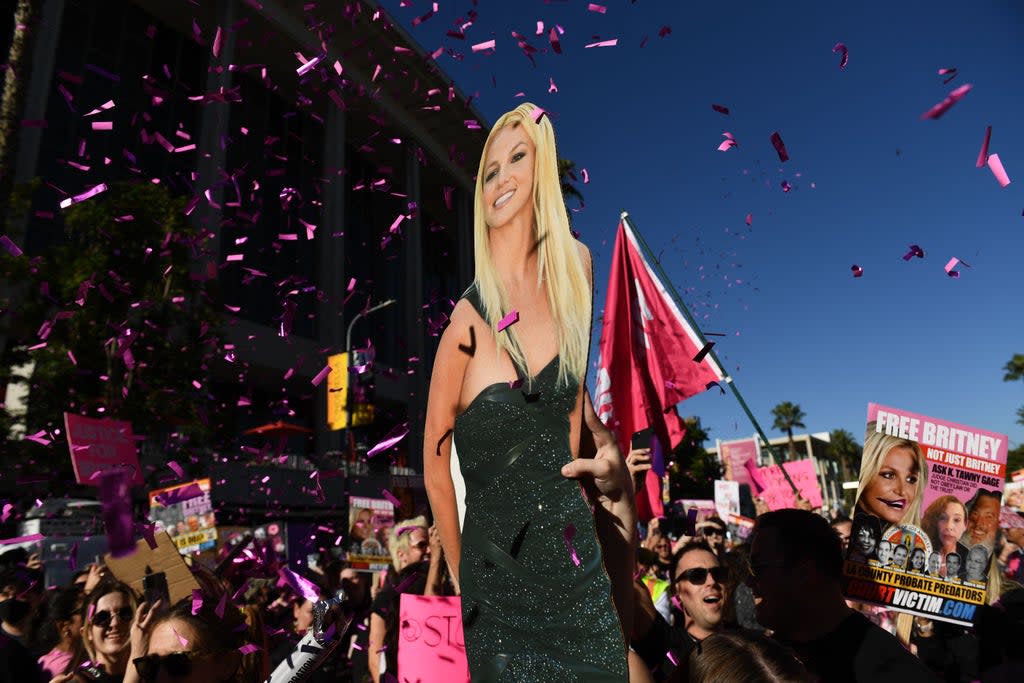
pixel 921 479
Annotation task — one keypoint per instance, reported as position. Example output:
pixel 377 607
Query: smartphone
pixel 642 439
pixel 154 587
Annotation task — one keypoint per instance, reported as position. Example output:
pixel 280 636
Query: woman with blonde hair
pixel 894 475
pixel 508 389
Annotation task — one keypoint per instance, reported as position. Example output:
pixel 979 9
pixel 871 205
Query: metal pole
pixel 348 358
pixel 728 380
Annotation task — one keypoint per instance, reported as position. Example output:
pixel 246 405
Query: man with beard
pixel 796 563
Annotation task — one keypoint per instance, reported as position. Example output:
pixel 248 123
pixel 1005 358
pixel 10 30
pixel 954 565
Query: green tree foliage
pixel 115 322
pixel 567 179
pixel 844 450
pixel 788 416
pixel 1014 460
pixel 1014 369
pixel 693 470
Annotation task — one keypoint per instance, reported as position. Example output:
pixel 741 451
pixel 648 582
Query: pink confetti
pixel 390 439
pixel 983 154
pixel 951 72
pixel 486 45
pixel 586 176
pixel 8 509
pixel 88 194
pixel 556 44
pixel 321 375
pixel 841 48
pixel 109 104
pixel 249 648
pixel 600 9
pixel 8 245
pixel 604 43
pixel 39 437
pixel 217 40
pixel 103 125
pixel 391 497
pixel 115 496
pixel 780 147
pixel 953 263
pixel 197 600
pixel 857 270
pixel 181 639
pixel 177 468
pixel 552 88
pixel 510 319
pixel 310 65
pixel 750 218
pixel 720 109
pixel 300 584
pixel 912 251
pixel 728 143
pixel 786 187
pixel 148 532
pixel 22 539
pixel 996 166
pixel 537 113
pixel 568 535
pixel 952 98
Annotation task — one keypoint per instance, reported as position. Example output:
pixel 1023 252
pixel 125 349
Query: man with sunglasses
pixel 699 586
pixel 796 562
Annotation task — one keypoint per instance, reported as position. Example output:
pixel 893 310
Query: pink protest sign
pixel 778 494
pixel 735 455
pixel 431 648
pixel 98 445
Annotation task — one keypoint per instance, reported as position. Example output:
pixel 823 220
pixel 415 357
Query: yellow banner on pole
pixel 337 391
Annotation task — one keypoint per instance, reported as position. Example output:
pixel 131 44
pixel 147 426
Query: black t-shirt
pixel 17 663
pixel 858 651
pixel 412 579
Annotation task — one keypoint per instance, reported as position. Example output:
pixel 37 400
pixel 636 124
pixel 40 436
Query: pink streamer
pixel 321 375
pixel 841 48
pixel 996 166
pixel 952 98
pixel 510 319
pixel 568 535
pixel 392 438
pixel 983 154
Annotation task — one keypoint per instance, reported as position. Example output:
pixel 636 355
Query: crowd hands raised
pixel 711 606
pixel 239 627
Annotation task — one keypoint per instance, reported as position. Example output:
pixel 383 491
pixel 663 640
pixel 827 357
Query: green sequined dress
pixel 530 613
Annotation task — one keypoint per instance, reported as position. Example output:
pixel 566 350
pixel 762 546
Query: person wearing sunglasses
pixel 195 648
pixel 712 530
pixel 699 586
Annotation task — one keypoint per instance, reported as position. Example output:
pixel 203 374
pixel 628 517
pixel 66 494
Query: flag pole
pixel 693 323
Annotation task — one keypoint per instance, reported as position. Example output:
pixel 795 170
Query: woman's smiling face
pixel 111 637
pixel 894 487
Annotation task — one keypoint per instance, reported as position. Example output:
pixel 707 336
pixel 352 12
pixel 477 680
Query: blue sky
pixel 869 178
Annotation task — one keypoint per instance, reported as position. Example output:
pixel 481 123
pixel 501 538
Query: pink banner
pixel 98 445
pixel 734 455
pixel 778 494
pixel 431 648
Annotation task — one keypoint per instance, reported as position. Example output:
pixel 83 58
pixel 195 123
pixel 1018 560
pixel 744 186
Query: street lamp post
pixel 348 358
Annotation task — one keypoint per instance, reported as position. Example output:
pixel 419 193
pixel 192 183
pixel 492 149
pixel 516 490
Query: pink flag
pixel 646 365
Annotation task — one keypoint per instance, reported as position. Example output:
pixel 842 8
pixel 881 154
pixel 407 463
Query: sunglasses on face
pixel 422 545
pixel 104 617
pixel 699 575
pixel 712 531
pixel 176 664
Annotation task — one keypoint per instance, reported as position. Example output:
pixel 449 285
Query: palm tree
pixel 788 416
pixel 1015 370
pixel 844 450
pixel 567 178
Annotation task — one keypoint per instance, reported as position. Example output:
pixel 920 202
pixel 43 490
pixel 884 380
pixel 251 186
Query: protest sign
pixel 370 520
pixel 926 516
pixel 734 456
pixel 145 560
pixel 185 511
pixel 727 498
pixel 431 647
pixel 778 494
pixel 99 445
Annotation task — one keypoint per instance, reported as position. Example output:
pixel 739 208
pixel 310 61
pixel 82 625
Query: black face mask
pixel 13 611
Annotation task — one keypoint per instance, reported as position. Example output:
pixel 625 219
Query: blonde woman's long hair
pixel 559 266
pixel 876 446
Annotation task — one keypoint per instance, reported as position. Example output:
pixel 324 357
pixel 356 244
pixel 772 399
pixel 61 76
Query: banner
pixel 98 445
pixel 651 358
pixel 777 494
pixel 735 454
pixel 927 515
pixel 185 512
pixel 369 520
pixel 431 647
pixel 727 498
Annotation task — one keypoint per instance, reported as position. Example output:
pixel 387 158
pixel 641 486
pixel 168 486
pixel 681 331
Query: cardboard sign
pixel 98 445
pixel 778 494
pixel 370 521
pixel 185 512
pixel 164 558
pixel 431 647
pixel 926 517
